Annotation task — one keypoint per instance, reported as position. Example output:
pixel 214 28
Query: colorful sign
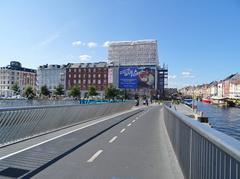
pixel 146 77
pixel 128 77
pixel 137 77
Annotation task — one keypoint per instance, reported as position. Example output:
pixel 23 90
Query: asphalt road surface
pixel 133 145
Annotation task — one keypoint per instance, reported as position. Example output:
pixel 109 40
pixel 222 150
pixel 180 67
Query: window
pixel 99 81
pixel 99 75
pixel 94 75
pixel 94 81
pixel 79 81
pixel 89 75
pixel 74 81
pixel 89 81
pixel 69 76
pixel 79 76
pixel 84 81
pixel 74 75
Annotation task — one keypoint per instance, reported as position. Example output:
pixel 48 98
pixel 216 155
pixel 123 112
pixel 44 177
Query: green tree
pixel 44 90
pixel 92 91
pixel 75 91
pixel 59 90
pixel 16 88
pixel 29 92
pixel 111 92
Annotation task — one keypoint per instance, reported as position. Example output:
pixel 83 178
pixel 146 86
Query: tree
pixel 28 92
pixel 75 91
pixel 16 88
pixel 59 90
pixel 92 91
pixel 111 92
pixel 44 90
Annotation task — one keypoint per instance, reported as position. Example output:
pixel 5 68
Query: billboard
pixel 136 77
pixel 110 75
pixel 128 77
pixel 146 77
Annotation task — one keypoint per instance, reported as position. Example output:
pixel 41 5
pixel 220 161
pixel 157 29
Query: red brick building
pixel 85 75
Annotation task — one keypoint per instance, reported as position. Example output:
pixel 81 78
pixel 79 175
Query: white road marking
pixel 133 121
pixel 129 124
pixel 14 153
pixel 94 156
pixel 122 130
pixel 113 139
pixel 137 118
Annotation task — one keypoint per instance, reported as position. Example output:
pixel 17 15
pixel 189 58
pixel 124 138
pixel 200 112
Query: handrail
pixel 20 123
pixel 203 152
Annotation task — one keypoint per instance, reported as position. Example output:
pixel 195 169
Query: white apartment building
pixel 15 74
pixel 220 89
pixel 127 53
pixel 234 86
pixel 51 76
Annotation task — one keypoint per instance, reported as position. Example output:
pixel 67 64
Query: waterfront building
pixel 226 85
pixel 85 75
pixel 213 88
pixel 134 65
pixel 51 76
pixel 234 87
pixel 15 74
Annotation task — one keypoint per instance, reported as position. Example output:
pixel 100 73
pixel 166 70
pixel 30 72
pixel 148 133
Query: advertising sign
pixel 128 77
pixel 137 77
pixel 110 75
pixel 146 77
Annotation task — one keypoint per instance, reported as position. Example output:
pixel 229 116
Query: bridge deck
pixel 131 145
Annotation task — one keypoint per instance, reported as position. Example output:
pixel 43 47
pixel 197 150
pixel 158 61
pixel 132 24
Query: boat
pixel 206 100
pixel 188 102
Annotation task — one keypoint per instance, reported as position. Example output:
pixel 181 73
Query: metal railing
pixel 24 122
pixel 202 152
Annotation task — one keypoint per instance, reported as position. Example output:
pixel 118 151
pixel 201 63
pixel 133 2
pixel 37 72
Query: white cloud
pixel 106 44
pixel 187 74
pixel 49 40
pixel 172 76
pixel 92 44
pixel 85 58
pixel 77 43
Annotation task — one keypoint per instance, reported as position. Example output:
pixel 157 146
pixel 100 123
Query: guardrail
pixel 25 122
pixel 202 152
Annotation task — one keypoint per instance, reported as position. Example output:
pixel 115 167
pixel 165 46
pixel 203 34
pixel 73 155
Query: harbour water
pixel 226 120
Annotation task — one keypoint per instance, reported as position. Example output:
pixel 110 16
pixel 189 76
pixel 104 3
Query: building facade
pixel 134 65
pixel 234 87
pixel 51 76
pixel 85 75
pixel 127 53
pixel 15 74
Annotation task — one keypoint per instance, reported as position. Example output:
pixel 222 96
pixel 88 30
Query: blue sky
pixel 199 40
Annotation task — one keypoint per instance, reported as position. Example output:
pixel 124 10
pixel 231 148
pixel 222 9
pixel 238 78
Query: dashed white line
pixel 133 121
pixel 137 118
pixel 122 130
pixel 129 124
pixel 94 156
pixel 113 139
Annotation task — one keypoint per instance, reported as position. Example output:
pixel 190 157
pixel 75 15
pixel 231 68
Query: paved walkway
pixel 133 145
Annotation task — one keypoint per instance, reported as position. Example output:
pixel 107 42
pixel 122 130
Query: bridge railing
pixel 202 152
pixel 24 122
